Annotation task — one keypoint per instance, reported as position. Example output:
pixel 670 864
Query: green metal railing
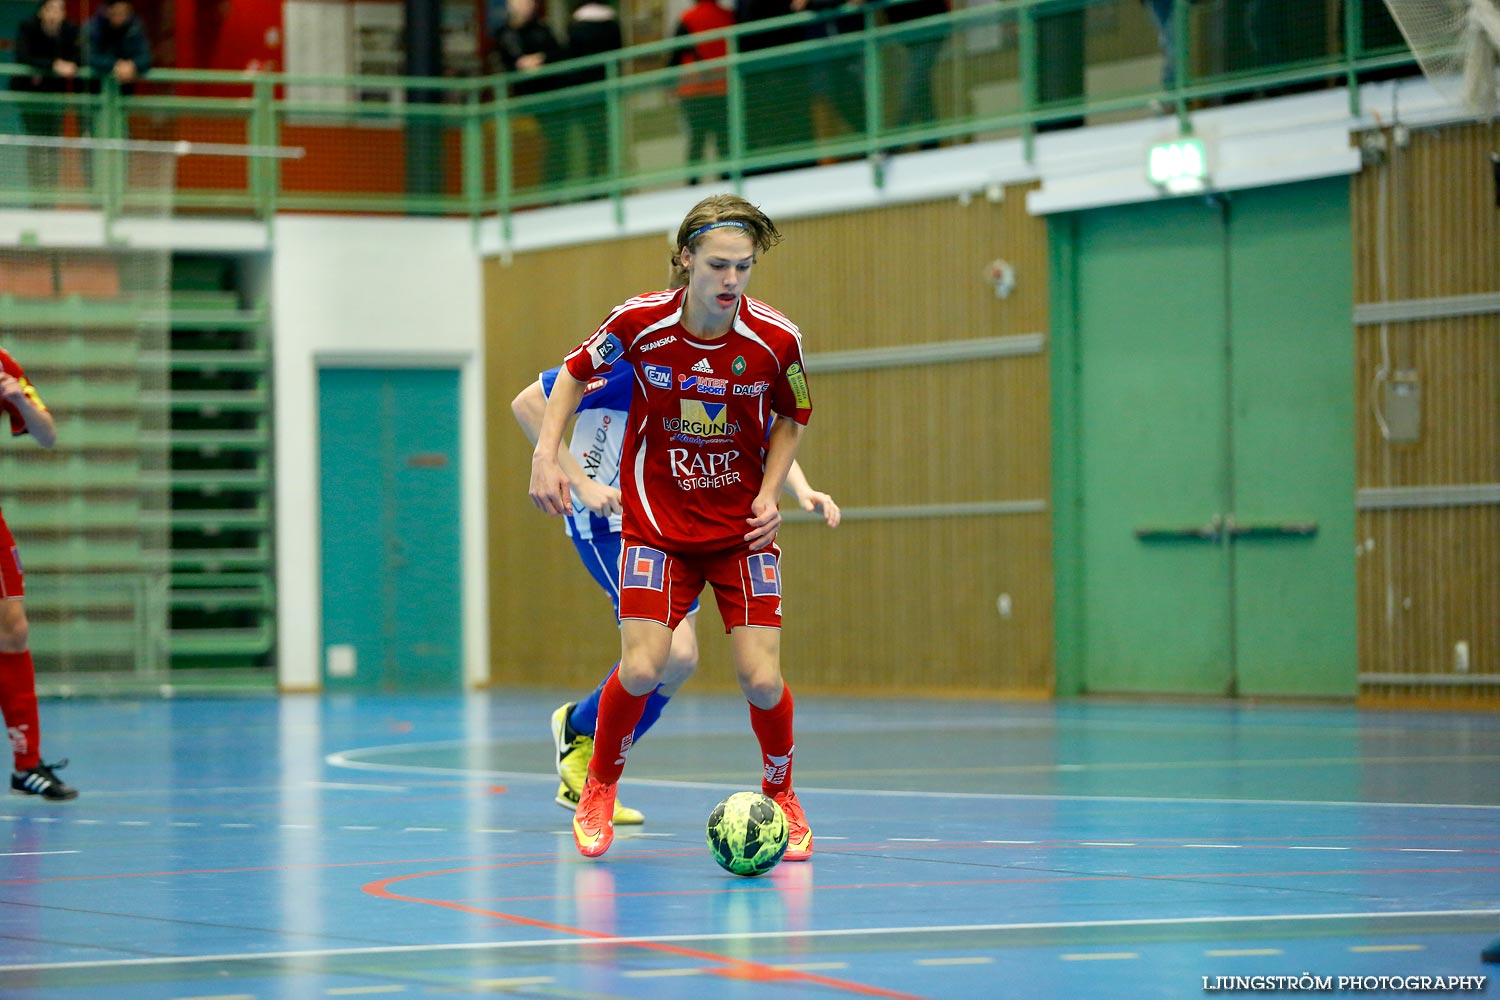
pixel 381 144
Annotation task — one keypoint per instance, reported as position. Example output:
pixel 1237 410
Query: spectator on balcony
pixel 524 45
pixel 47 45
pixel 777 112
pixel 118 46
pixel 702 94
pixel 839 80
pixel 916 106
pixel 593 30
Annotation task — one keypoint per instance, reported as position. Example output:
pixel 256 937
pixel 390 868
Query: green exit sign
pixel 1179 167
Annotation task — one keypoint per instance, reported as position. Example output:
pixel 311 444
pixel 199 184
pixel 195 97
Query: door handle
pixel 1213 531
pixel 1271 529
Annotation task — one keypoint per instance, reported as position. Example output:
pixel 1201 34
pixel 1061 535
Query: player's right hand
pixel 549 487
pixel 602 500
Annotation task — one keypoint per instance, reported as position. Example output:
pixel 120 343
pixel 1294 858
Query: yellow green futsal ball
pixel 747 833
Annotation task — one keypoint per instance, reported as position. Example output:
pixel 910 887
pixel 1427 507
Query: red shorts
pixel 12 583
pixel 661 586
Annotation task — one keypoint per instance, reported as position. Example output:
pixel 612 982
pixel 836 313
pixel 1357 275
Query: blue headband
pixel 713 225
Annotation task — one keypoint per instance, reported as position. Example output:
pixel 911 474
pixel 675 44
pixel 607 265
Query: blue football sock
pixel 585 714
pixel 654 704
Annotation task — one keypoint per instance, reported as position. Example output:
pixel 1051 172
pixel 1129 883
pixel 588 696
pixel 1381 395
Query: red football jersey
pixel 13 368
pixel 695 449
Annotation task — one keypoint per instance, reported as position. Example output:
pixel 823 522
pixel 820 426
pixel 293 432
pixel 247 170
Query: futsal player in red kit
pixel 702 466
pixel 27 414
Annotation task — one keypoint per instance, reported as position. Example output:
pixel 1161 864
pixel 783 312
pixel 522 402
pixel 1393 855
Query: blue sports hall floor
pixel 298 847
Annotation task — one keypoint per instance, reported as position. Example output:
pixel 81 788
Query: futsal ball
pixel 747 833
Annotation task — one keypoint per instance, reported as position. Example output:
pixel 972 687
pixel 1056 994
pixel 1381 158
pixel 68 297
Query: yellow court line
pixel 1099 956
pixel 1234 952
pixel 976 960
pixel 1388 947
pixel 653 973
pixel 502 984
pixel 354 991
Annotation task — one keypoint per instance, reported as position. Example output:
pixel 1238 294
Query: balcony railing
pixel 469 147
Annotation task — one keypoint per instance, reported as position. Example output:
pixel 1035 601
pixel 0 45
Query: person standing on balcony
pixel 777 110
pixel 118 46
pixel 27 414
pixel 916 106
pixel 702 94
pixel 524 45
pixel 47 44
pixel 593 30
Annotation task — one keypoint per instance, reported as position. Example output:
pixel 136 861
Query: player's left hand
pixel 764 523
pixel 10 388
pixel 823 504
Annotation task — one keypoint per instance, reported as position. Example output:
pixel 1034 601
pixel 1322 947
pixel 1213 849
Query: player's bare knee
pixel 762 692
pixel 13 628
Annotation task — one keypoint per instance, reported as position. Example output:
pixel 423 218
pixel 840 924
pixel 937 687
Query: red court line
pixel 733 968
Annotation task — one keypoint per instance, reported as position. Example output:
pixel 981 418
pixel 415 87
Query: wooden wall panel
pixel 1427 581
pixel 909 274
pixel 1442 228
pixel 878 605
pixel 1426 226
pixel 910 606
pixel 948 433
pixel 1458 363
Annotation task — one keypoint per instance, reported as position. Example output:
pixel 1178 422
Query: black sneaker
pixel 41 781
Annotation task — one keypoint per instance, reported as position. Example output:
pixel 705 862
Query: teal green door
pixel 392 568
pixel 1205 451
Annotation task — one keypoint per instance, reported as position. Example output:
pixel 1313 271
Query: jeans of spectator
pixel 706 116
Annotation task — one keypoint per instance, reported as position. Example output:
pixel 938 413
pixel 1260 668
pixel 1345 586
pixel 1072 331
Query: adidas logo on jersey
pixel 704 366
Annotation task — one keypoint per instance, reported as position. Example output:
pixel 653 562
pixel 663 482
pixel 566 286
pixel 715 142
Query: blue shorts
pixel 601 557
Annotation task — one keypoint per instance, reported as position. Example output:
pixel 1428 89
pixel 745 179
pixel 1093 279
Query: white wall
pixel 370 292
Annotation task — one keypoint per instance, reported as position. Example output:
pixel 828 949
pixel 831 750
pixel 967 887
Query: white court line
pixel 32 854
pixel 346 759
pixel 843 932
pixel 350 786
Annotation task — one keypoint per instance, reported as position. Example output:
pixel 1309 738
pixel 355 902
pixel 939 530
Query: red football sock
pixel 18 704
pixel 773 727
pixel 619 712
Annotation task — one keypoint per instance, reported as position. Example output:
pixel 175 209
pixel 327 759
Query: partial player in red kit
pixel 27 414
pixel 702 466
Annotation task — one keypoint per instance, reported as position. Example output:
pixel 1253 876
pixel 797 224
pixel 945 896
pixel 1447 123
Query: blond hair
pixel 711 213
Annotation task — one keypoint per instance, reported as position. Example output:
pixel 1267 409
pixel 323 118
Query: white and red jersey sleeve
pixel 13 368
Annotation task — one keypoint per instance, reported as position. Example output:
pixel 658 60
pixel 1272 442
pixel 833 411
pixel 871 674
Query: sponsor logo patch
pixel 703 366
pixel 703 470
pixel 752 389
pixel 701 419
pixel 798 382
pixel 604 349
pixel 702 384
pixel 658 375
pixel 663 342
pixel 765 575
pixel 643 567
